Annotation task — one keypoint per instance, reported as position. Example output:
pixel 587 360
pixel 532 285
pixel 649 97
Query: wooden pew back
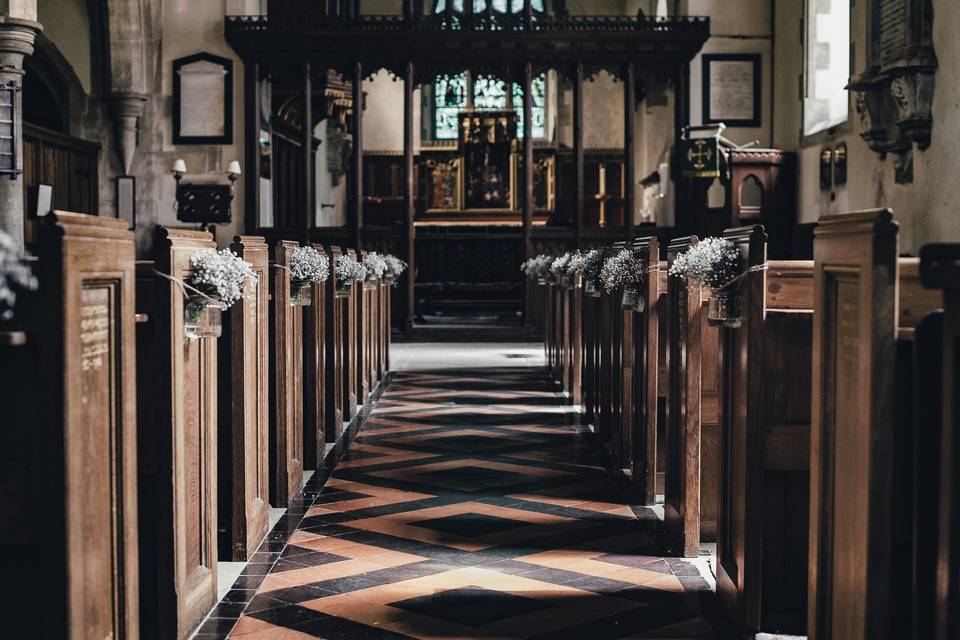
pixel 67 385
pixel 314 375
pixel 286 427
pixel 335 343
pixel 936 588
pixel 764 441
pixel 244 410
pixel 643 386
pixel 176 443
pixel 859 471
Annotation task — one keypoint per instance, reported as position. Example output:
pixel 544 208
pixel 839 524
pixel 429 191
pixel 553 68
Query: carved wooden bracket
pixel 894 96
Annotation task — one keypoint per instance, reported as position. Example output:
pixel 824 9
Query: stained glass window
pixel 450 97
pixel 539 113
pixel 516 6
pixel 489 93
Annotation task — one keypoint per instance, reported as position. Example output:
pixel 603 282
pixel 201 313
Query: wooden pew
pixel 592 374
pixel 362 292
pixel 611 370
pixel 176 447
pixel 691 438
pixel 314 375
pixel 642 381
pixel 350 351
pixel 867 303
pixel 575 343
pixel 548 322
pixel 936 587
pixel 765 383
pixel 244 411
pixel 334 350
pixel 67 387
pixel 386 325
pixel 286 373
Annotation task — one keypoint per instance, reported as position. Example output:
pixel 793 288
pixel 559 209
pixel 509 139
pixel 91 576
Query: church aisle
pixel 469 506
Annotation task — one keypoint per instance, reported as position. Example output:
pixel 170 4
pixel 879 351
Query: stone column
pixel 16 43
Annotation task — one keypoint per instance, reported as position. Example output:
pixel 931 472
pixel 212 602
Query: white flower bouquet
pixel 588 266
pixel 537 267
pixel 558 268
pixel 14 274
pixel 375 264
pixel 309 265
pixel 347 271
pixel 714 263
pixel 219 276
pixel 395 266
pixel 623 269
pixel 215 284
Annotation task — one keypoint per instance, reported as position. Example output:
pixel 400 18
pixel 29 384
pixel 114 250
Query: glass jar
pixel 591 288
pixel 202 317
pixel 369 284
pixel 343 288
pixel 390 279
pixel 724 309
pixel 567 280
pixel 632 300
pixel 301 293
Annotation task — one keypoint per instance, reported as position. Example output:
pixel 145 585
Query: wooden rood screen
pixel 867 305
pixel 176 442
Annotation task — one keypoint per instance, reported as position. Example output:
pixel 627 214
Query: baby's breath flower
pixel 621 270
pixel 395 265
pixel 220 274
pixel 308 264
pixel 537 267
pixel 14 274
pixel 375 264
pixel 712 262
pixel 347 268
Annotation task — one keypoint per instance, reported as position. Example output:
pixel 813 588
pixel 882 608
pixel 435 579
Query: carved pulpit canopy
pixel 894 95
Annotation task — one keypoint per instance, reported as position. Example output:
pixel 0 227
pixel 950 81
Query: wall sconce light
pixel 208 203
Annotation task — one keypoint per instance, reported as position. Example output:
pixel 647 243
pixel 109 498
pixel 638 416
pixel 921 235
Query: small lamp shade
pixel 233 169
pixel 179 166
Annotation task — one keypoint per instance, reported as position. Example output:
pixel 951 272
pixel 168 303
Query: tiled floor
pixel 468 507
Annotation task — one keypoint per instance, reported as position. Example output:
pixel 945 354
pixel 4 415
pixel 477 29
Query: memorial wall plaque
pixel 731 89
pixel 203 100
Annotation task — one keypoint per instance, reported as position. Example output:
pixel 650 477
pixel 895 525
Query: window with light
pixel 825 101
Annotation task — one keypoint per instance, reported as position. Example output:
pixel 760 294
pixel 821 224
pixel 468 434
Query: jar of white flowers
pixel 307 267
pixel 216 282
pixel 625 270
pixel 347 271
pixel 714 263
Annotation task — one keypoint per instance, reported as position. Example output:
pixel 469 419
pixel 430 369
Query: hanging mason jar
pixel 301 293
pixel 591 288
pixel 567 280
pixel 370 283
pixel 632 299
pixel 724 309
pixel 542 281
pixel 390 279
pixel 343 288
pixel 202 317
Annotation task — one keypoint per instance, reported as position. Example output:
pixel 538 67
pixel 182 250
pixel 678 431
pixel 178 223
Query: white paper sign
pixel 731 90
pixel 202 99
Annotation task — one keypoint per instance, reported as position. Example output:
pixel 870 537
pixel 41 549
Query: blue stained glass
pixel 450 97
pixel 539 113
pixel 516 6
pixel 489 93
